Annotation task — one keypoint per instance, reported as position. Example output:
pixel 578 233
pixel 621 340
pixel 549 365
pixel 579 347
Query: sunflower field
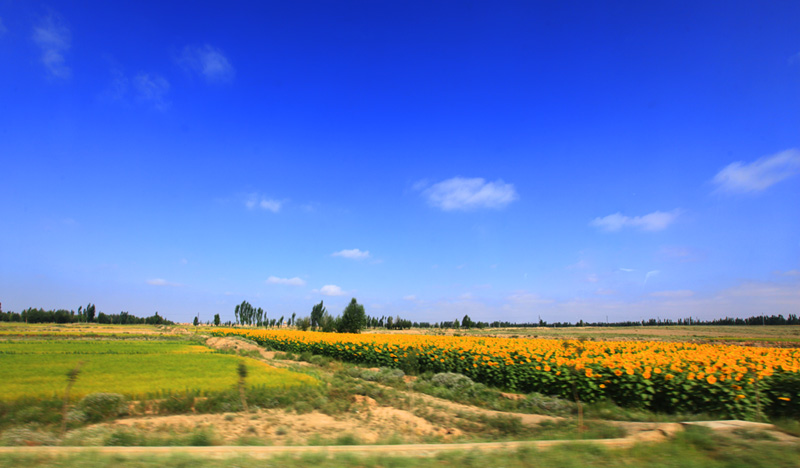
pixel 732 381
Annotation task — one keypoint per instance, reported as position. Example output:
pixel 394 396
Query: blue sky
pixel 506 160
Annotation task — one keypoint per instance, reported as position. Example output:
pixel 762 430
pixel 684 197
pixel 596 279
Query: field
pixel 733 381
pixel 787 335
pixel 136 369
pixel 179 387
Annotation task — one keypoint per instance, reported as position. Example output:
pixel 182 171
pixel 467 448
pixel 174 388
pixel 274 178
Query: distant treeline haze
pixel 83 315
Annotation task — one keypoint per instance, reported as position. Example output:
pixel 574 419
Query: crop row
pixel 732 381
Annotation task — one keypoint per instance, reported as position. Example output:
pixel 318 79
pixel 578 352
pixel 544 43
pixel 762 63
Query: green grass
pixel 138 369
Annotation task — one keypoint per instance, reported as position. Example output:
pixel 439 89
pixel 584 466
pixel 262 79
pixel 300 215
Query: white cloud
pixel 655 221
pixel 758 175
pixel 287 281
pixel 627 270
pixel 354 254
pixel 464 194
pixel 255 200
pixel 152 89
pixel 331 290
pixel 208 61
pixel 592 278
pixel 410 297
pixel 54 39
pixel 160 282
pixel 679 293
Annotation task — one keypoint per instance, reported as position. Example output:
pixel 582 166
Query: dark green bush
pixel 101 406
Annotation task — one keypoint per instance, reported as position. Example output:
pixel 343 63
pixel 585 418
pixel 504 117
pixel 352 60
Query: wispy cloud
pixel 758 175
pixel 354 254
pixel 208 61
pixel 331 290
pixel 152 89
pixel 674 294
pixel 627 270
pixel 526 298
pixel 410 297
pixel 54 39
pixel 788 273
pixel 161 282
pixel 592 278
pixel 287 281
pixel 255 200
pixel 650 274
pixel 462 194
pixel 655 221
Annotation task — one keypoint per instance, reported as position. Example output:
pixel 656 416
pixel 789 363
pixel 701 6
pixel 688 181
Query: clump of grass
pixel 750 434
pixel 347 439
pixel 28 435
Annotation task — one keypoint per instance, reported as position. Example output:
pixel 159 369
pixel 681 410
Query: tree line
pixel 86 314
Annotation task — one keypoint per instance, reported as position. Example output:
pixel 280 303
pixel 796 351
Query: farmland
pixel 179 386
pixel 136 369
pixel 730 380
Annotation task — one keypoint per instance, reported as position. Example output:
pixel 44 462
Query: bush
pixel 98 407
pixel 452 380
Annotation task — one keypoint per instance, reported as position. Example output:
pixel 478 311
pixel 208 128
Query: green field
pixel 138 369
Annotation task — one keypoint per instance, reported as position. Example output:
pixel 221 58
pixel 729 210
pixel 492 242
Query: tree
pixel 89 312
pixel 353 318
pixel 216 320
pixel 466 322
pixel 317 312
pixel 303 323
pixel 196 321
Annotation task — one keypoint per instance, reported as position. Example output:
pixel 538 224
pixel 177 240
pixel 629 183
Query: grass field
pixel 137 369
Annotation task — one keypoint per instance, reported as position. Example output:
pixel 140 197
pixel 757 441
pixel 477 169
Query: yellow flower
pixel 602 386
pixel 784 398
pixel 711 379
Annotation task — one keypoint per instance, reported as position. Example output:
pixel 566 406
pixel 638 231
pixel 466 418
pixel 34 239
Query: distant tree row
pixel 352 320
pixel 83 315
pixel 792 319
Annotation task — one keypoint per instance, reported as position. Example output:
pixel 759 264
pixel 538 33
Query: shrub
pixel 97 407
pixel 176 404
pixel 452 380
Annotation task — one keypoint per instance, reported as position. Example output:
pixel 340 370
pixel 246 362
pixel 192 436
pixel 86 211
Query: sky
pixel 510 161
